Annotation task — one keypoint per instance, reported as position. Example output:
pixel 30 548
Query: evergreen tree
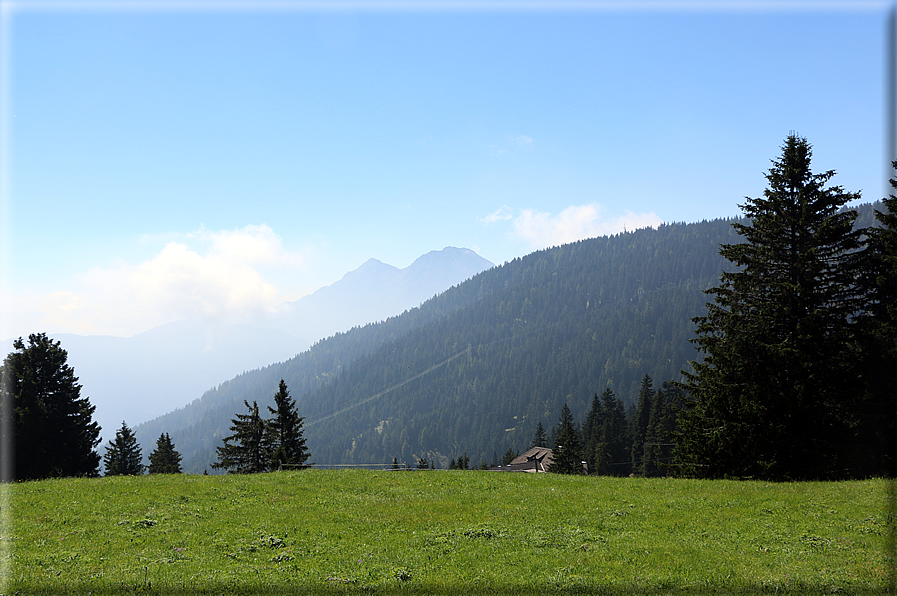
pixel 123 456
pixel 638 427
pixel 612 450
pixel 510 455
pixel 285 431
pixel 246 451
pixel 423 464
pixel 462 463
pixel 51 424
pixel 661 426
pixel 165 460
pixel 395 464
pixel 878 434
pixel 539 437
pixel 567 451
pixel 592 440
pixel 775 395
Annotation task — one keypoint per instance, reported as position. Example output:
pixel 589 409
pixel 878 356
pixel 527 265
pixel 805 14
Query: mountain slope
pixel 560 325
pixel 555 326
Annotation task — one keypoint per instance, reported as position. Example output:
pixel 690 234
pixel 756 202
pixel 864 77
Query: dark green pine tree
pixel 285 431
pixel 540 439
pixel 593 446
pixel 52 426
pixel 510 455
pixel 614 460
pixel 661 426
pixel 462 463
pixel 165 460
pixel 638 426
pixel 775 395
pixel 246 451
pixel 123 456
pixel 877 444
pixel 567 452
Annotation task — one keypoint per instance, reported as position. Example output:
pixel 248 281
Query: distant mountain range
pixel 137 378
pixel 376 291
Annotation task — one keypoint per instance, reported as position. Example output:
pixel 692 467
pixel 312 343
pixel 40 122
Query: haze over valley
pixel 140 377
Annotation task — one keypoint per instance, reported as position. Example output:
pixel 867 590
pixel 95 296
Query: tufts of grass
pixel 444 532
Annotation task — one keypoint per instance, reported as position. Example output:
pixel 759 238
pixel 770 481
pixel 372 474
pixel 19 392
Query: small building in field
pixel 534 461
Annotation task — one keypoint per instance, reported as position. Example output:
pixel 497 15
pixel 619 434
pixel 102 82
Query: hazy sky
pixel 210 159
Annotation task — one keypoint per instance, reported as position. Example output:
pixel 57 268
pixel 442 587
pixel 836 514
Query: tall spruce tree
pixel 774 396
pixel 592 439
pixel 51 424
pixel 540 439
pixel 165 460
pixel 614 460
pixel 566 454
pixel 878 447
pixel 638 425
pixel 123 456
pixel 246 451
pixel 510 455
pixel 661 426
pixel 285 431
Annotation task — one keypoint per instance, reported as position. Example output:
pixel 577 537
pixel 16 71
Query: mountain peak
pixel 458 263
pixel 370 269
pixel 448 253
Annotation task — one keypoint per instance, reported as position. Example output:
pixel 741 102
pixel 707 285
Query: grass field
pixel 444 532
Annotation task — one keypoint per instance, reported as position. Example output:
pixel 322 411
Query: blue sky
pixel 211 160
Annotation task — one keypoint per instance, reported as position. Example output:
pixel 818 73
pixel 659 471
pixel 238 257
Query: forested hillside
pixel 555 326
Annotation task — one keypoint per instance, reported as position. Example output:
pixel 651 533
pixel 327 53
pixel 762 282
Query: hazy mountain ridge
pixel 376 291
pixel 138 378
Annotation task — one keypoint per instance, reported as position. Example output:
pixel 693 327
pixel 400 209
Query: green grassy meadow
pixel 443 532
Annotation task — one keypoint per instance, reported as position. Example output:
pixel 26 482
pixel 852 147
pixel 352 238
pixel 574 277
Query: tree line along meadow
pixel 791 383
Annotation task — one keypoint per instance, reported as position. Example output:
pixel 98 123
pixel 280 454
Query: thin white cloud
pixel 512 144
pixel 503 213
pixel 220 279
pixel 523 142
pixel 576 223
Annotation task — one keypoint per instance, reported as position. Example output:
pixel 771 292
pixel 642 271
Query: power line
pixel 392 388
pixel 468 350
